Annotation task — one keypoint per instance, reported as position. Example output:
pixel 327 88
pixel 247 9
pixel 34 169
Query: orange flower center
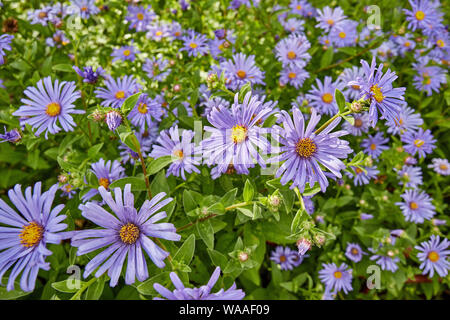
pixel 238 134
pixel 327 97
pixel 338 274
pixel 129 233
pixel 282 258
pixel 305 147
pixel 377 94
pixel 443 167
pixel 142 108
pixel 104 182
pixel 126 53
pixel 358 123
pixel 84 9
pixel 178 153
pixel 140 16
pixel 420 15
pixel 31 234
pixel 342 35
pixel 193 45
pixel 354 251
pixel 433 256
pixel 298 7
pixel 358 170
pixel 241 74
pixel 356 87
pixel 407 44
pixel 292 75
pixel 120 94
pixel 42 15
pixel 291 55
pixel 373 146
pixel 53 109
pixel 330 22
pixel 413 205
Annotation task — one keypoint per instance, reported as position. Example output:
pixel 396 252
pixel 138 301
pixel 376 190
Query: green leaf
pixel 228 199
pixel 137 184
pixel 308 192
pixel 67 286
pixel 327 57
pixel 349 119
pixel 146 287
pixel 129 103
pixel 206 232
pixel 186 251
pixel 247 212
pixel 94 150
pixel 95 290
pixel 340 100
pixel 217 258
pixel 300 216
pixel 63 67
pixel 248 191
pixel 10 295
pixel 158 164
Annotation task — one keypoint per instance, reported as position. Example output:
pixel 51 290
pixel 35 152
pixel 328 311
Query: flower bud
pixel 356 106
pixel 113 120
pixel 319 239
pixel 62 178
pixel 177 88
pixel 303 245
pixel 243 256
pixel 97 116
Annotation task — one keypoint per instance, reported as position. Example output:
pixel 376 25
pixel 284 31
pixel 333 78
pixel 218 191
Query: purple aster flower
pixel 305 151
pixel 88 74
pixel 127 232
pixel 433 255
pixel 354 252
pixel 424 15
pixel 156 68
pixel 58 40
pixel 41 16
pixel 410 176
pixel 303 245
pixel 145 142
pixel 405 44
pixel 441 166
pixel 386 262
pixel 113 120
pixel 240 70
pixel 176 31
pixel 438 222
pixel 336 278
pixel 377 88
pixel 5 44
pixel 117 91
pixel 218 46
pixel 85 8
pixel 293 75
pixel 106 174
pixel 235 135
pixel 410 161
pixel 309 205
pixel 350 74
pixel 67 190
pixel 293 25
pixel 302 7
pixel 202 293
pixel 49 103
pixel 374 145
pixel 385 51
pixel 184 5
pixel 293 50
pixel 145 112
pixel 125 53
pixel 366 216
pixel 157 31
pixel 360 177
pixel 344 34
pixel 429 79
pixel 182 150
pixel 195 44
pixel 328 17
pixel 10 136
pixel 321 98
pixel 139 17
pixel 24 235
pixel 286 258
pixel 420 141
pixel 406 121
pixel 417 206
pixel 214 103
pixel 360 126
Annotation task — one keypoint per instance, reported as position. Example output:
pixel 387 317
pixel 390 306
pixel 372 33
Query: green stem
pixel 326 124
pixel 77 295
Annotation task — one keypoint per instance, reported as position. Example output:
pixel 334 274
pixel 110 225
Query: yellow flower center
pixel 330 22
pixel 377 94
pixel 120 94
pixel 358 123
pixel 292 75
pixel 413 205
pixel 420 15
pixel 373 146
pixel 142 108
pixel 433 256
pixel 84 9
pixel 407 44
pixel 440 43
pixel 177 34
pixel 338 274
pixel 104 182
pixel 291 55
pixel 193 45
pixel 53 109
pixel 68 188
pixel 282 258
pixel 238 134
pixel 178 153
pixel 140 16
pixel 129 233
pixel 418 143
pixel 443 167
pixel 126 53
pixel 42 15
pixel 327 97
pixel 342 35
pixel 305 147
pixel 31 234
pixel 358 170
pixel 354 251
pixel 159 33
pixel 241 74
pixel 298 7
